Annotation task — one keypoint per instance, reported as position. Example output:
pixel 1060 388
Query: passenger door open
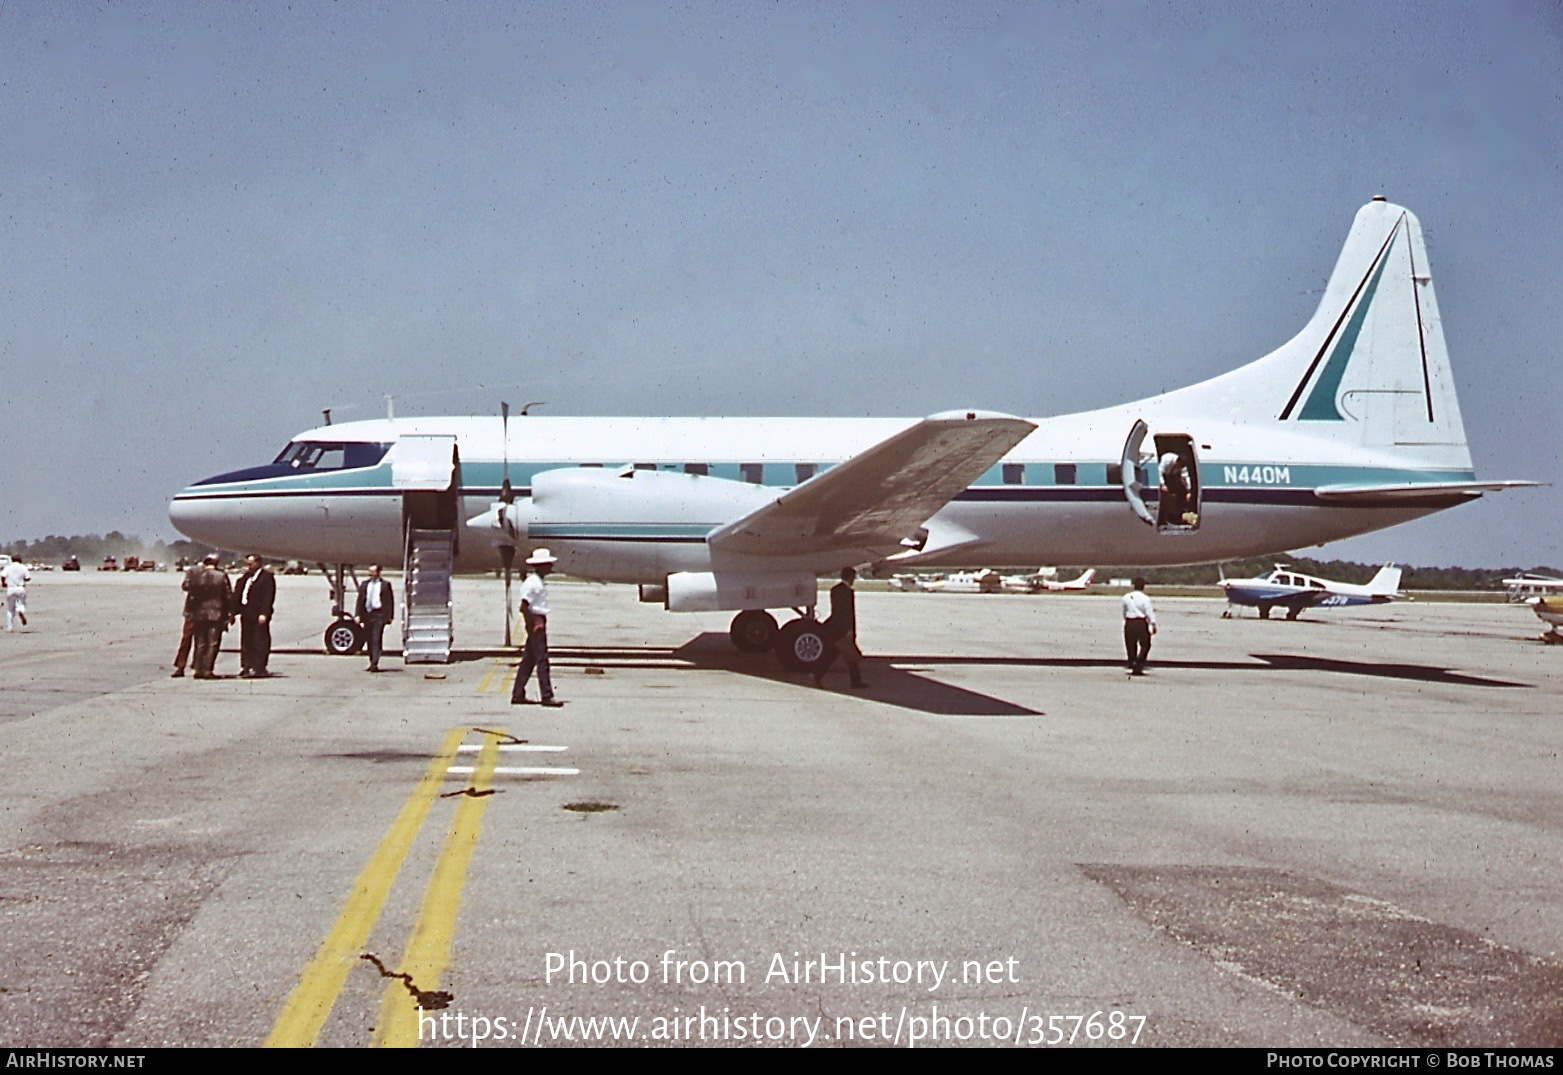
pixel 1174 507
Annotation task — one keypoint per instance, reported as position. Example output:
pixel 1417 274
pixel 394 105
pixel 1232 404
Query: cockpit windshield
pixel 331 455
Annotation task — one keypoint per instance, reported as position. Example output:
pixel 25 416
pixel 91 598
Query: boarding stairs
pixel 426 630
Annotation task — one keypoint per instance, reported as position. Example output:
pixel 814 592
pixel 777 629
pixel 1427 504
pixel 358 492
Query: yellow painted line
pixel 498 677
pixel 310 1003
pixel 428 949
pixel 488 677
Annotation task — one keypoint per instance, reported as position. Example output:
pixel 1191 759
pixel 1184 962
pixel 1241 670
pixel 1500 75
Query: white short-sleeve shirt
pixel 535 594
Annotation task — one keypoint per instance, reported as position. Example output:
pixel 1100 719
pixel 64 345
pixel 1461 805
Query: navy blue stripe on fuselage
pixel 1015 494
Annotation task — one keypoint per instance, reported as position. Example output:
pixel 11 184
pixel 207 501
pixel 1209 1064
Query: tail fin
pixel 1386 583
pixel 1370 367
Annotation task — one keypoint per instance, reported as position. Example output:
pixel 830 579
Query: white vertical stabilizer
pixel 1386 583
pixel 1370 368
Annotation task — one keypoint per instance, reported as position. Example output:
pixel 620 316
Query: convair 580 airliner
pixel 1349 427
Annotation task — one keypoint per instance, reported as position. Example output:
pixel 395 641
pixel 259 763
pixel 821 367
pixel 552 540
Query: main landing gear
pixel 800 646
pixel 344 637
pixel 753 631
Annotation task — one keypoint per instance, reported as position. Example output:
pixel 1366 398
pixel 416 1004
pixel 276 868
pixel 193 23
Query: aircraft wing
pixel 1306 598
pixel 877 500
pixel 1260 592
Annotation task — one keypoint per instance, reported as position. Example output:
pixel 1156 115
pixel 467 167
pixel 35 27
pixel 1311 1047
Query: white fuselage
pixel 1066 505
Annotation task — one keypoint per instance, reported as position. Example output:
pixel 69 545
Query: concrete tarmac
pixel 1343 831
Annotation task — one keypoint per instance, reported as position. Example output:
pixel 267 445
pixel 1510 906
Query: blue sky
pixel 218 219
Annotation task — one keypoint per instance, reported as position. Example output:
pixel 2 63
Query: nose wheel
pixel 344 638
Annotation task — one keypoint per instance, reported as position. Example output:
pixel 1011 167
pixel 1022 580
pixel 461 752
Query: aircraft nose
pixel 201 519
pixel 184 515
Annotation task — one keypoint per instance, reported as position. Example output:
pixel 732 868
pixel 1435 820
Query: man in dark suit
pixel 211 605
pixel 254 596
pixel 841 630
pixel 376 606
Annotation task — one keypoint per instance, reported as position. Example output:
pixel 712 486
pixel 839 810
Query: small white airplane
pixel 1349 427
pixel 1046 580
pixel 1295 592
pixel 1031 583
pixel 984 581
pixel 1522 589
pixel 1083 582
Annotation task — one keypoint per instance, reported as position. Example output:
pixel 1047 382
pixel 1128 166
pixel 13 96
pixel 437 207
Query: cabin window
pixel 1114 474
pixel 1014 474
pixel 696 468
pixel 591 465
pixel 805 471
pixel 645 466
pixel 1063 474
pixel 753 473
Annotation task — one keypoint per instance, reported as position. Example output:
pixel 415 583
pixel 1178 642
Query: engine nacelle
pixel 723 591
pixel 575 495
pixel 623 525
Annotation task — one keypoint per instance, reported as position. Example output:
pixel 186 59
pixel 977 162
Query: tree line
pixel 91 549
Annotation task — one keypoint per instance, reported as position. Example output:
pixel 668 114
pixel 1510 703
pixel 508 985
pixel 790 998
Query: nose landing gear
pixel 344 637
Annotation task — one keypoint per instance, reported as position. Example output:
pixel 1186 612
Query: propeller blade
pixel 506 493
pixel 507 556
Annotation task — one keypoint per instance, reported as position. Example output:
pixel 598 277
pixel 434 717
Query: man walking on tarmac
pixel 534 611
pixel 841 630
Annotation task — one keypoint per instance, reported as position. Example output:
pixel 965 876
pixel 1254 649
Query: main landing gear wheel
pixel 1264 612
pixel 753 631
pixel 344 638
pixel 801 646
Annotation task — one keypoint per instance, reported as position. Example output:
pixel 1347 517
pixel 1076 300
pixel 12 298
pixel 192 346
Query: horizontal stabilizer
pixel 1389 494
pixel 881 497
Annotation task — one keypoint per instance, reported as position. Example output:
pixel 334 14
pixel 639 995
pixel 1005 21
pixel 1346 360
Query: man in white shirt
pixel 16 576
pixel 1139 623
pixel 534 613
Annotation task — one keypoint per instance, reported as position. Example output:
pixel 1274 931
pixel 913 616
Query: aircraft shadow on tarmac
pixel 1420 673
pixel 896 680
pixel 712 650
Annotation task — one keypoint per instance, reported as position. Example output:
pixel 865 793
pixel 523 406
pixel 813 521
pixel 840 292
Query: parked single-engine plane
pixel 1296 592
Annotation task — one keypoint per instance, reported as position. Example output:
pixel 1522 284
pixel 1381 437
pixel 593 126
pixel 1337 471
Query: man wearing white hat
pixel 534 613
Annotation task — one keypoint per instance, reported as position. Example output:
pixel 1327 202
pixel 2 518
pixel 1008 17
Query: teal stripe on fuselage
pixel 485 477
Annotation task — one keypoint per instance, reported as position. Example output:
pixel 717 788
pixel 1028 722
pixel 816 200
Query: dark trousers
pixel 186 640
pixel 208 642
pixel 1137 641
pixel 845 648
pixel 374 625
pixel 534 656
pixel 254 643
